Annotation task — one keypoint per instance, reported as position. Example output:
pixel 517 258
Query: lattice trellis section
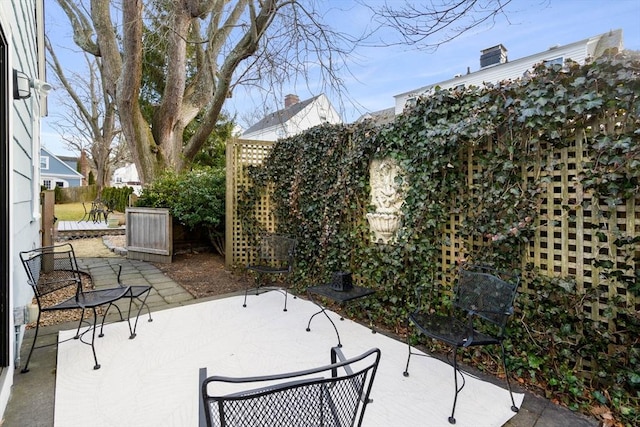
pixel 571 230
pixel 242 154
pixel 568 239
pixel 568 232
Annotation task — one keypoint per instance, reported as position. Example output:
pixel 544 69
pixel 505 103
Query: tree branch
pixel 448 19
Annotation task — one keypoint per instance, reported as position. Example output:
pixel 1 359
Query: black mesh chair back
pixel 274 255
pixel 483 302
pixel 276 252
pixel 58 270
pixel 54 268
pixel 486 293
pixel 332 395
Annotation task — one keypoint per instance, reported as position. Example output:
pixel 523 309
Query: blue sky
pixel 380 73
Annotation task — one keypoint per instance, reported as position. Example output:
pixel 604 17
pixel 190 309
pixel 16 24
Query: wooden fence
pixel 149 234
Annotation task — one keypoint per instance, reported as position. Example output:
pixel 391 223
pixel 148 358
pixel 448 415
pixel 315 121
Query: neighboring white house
pixel 495 66
pixel 23 98
pixel 55 172
pixel 127 176
pixel 380 117
pixel 295 117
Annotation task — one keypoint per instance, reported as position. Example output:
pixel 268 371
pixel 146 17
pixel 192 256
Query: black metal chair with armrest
pixel 55 268
pixel 89 215
pixel 483 301
pixel 274 256
pixel 323 396
pixel 100 211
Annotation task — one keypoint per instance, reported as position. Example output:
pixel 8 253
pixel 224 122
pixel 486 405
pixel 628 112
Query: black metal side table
pixel 340 297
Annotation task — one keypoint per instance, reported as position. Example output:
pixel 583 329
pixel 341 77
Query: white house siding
pixel 317 112
pixel 18 22
pixel 577 51
pixel 127 176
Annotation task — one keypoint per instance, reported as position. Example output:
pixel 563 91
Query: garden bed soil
pixel 203 274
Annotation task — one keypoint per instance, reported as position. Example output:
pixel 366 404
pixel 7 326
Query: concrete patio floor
pixel 33 394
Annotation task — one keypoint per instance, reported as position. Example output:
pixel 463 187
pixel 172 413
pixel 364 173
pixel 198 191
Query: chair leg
pixel 105 317
pixel 406 368
pixel 452 419
pixel 514 408
pixel 258 284
pixel 79 325
pixel 143 303
pixel 93 339
pixel 33 345
pixel 286 292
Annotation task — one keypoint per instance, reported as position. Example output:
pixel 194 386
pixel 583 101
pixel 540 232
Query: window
pixel 556 61
pixel 411 101
pixel 46 184
pixel 44 163
pixel 60 184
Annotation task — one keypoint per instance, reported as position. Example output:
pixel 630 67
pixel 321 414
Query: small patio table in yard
pixel 341 297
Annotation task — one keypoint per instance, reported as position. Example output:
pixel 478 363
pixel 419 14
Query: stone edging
pixel 115 249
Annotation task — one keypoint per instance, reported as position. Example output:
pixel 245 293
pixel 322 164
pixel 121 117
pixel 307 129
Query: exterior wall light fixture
pixel 22 85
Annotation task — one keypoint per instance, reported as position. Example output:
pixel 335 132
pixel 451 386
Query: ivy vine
pixel 506 134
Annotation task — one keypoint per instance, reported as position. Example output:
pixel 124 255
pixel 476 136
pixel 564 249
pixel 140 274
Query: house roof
pixel 380 117
pixel 69 158
pixel 281 116
pixel 68 170
pixel 593 47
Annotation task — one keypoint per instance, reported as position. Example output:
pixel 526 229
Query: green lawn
pixel 70 211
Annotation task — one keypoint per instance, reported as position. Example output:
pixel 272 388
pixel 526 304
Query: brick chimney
pixel 84 167
pixel 493 55
pixel 290 100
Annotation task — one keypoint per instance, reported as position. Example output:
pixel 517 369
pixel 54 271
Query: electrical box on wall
pixel 24 314
pixel 20 315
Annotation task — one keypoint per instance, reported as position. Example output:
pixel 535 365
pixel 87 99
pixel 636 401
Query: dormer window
pixel 44 163
pixel 556 61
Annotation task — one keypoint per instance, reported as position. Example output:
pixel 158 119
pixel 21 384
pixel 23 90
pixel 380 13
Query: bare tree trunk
pixel 90 123
pixel 233 34
pixel 203 65
pixel 122 80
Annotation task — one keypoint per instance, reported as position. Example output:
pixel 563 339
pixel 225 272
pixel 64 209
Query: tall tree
pixel 89 122
pixel 208 48
pixel 230 42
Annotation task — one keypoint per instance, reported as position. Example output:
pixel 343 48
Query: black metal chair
pixel 55 268
pixel 100 211
pixel 483 301
pixel 332 395
pixel 274 256
pixel 89 215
